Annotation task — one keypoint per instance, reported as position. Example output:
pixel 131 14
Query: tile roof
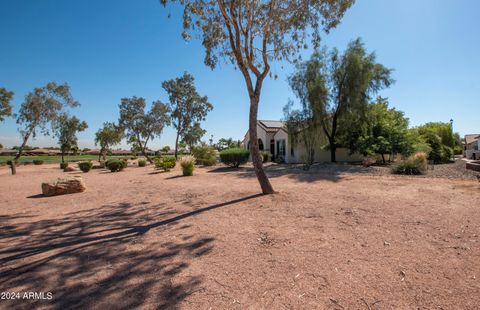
pixel 272 124
pixel 471 138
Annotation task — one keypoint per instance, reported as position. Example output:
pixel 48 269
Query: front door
pixel 272 149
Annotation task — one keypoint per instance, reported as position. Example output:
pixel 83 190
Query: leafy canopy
pixel 43 106
pixel 107 136
pixel 187 108
pixel 141 126
pixel 65 128
pixel 5 107
pixel 251 33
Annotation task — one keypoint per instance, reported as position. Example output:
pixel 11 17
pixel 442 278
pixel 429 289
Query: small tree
pixel 383 131
pixel 251 34
pixel 302 129
pixel 5 107
pixel 140 126
pixel 227 143
pixel 193 134
pixel 65 128
pixel 108 136
pixel 187 107
pixel 41 107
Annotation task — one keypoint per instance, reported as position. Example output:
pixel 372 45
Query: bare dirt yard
pixel 333 238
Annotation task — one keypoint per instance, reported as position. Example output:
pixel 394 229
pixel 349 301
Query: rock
pixel 368 161
pixel 69 169
pixel 64 186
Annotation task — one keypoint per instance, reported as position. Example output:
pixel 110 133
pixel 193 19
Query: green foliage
pixel 383 130
pixel 414 165
pixel 266 156
pixel 166 162
pixel 116 165
pixel 187 108
pixel 335 90
pixel 141 126
pixel 205 155
pixel 37 162
pixel 85 166
pixel 439 152
pixel 63 165
pixel 41 107
pixel 165 149
pixel 193 134
pixel 142 162
pixel 188 164
pixel 108 136
pixel 5 107
pixel 65 129
pixel 234 157
pixel 227 143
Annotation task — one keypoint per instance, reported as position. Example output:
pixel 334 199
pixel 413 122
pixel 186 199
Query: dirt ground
pixel 142 239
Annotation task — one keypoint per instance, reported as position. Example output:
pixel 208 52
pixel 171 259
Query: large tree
pixel 339 87
pixel 65 129
pixel 41 106
pixel 5 107
pixel 140 126
pixel 187 106
pixel 251 34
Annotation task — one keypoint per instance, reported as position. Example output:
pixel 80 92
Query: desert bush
pixel 85 166
pixel 234 157
pixel 266 156
pixel 142 162
pixel 205 155
pixel 165 162
pixel 413 165
pixel 38 162
pixel 188 164
pixel 63 165
pixel 115 165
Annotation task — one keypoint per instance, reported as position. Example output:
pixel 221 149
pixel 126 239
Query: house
pixel 7 152
pixel 471 146
pixel 273 137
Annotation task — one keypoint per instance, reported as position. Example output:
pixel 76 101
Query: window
pixel 260 144
pixel 281 147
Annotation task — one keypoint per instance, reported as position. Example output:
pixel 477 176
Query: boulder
pixel 64 186
pixel 368 161
pixel 69 169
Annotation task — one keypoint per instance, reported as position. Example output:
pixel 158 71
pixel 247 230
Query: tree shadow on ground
pixel 118 255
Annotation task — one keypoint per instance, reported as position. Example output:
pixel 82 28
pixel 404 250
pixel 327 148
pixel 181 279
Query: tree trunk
pixel 333 151
pixel 255 151
pixel 176 145
pixel 63 160
pixel 20 151
pixel 383 158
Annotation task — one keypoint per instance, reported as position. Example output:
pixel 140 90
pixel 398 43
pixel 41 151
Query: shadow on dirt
pixel 118 255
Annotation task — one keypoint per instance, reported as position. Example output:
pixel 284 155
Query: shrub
pixel 234 157
pixel 266 156
pixel 115 165
pixel 205 155
pixel 414 165
pixel 142 162
pixel 38 162
pixel 85 166
pixel 165 162
pixel 63 165
pixel 188 164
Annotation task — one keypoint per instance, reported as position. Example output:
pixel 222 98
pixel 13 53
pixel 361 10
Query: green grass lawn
pixel 55 159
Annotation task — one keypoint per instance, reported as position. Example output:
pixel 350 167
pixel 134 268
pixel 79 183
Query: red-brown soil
pixel 141 239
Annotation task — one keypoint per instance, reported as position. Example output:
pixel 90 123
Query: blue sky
pixel 111 49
